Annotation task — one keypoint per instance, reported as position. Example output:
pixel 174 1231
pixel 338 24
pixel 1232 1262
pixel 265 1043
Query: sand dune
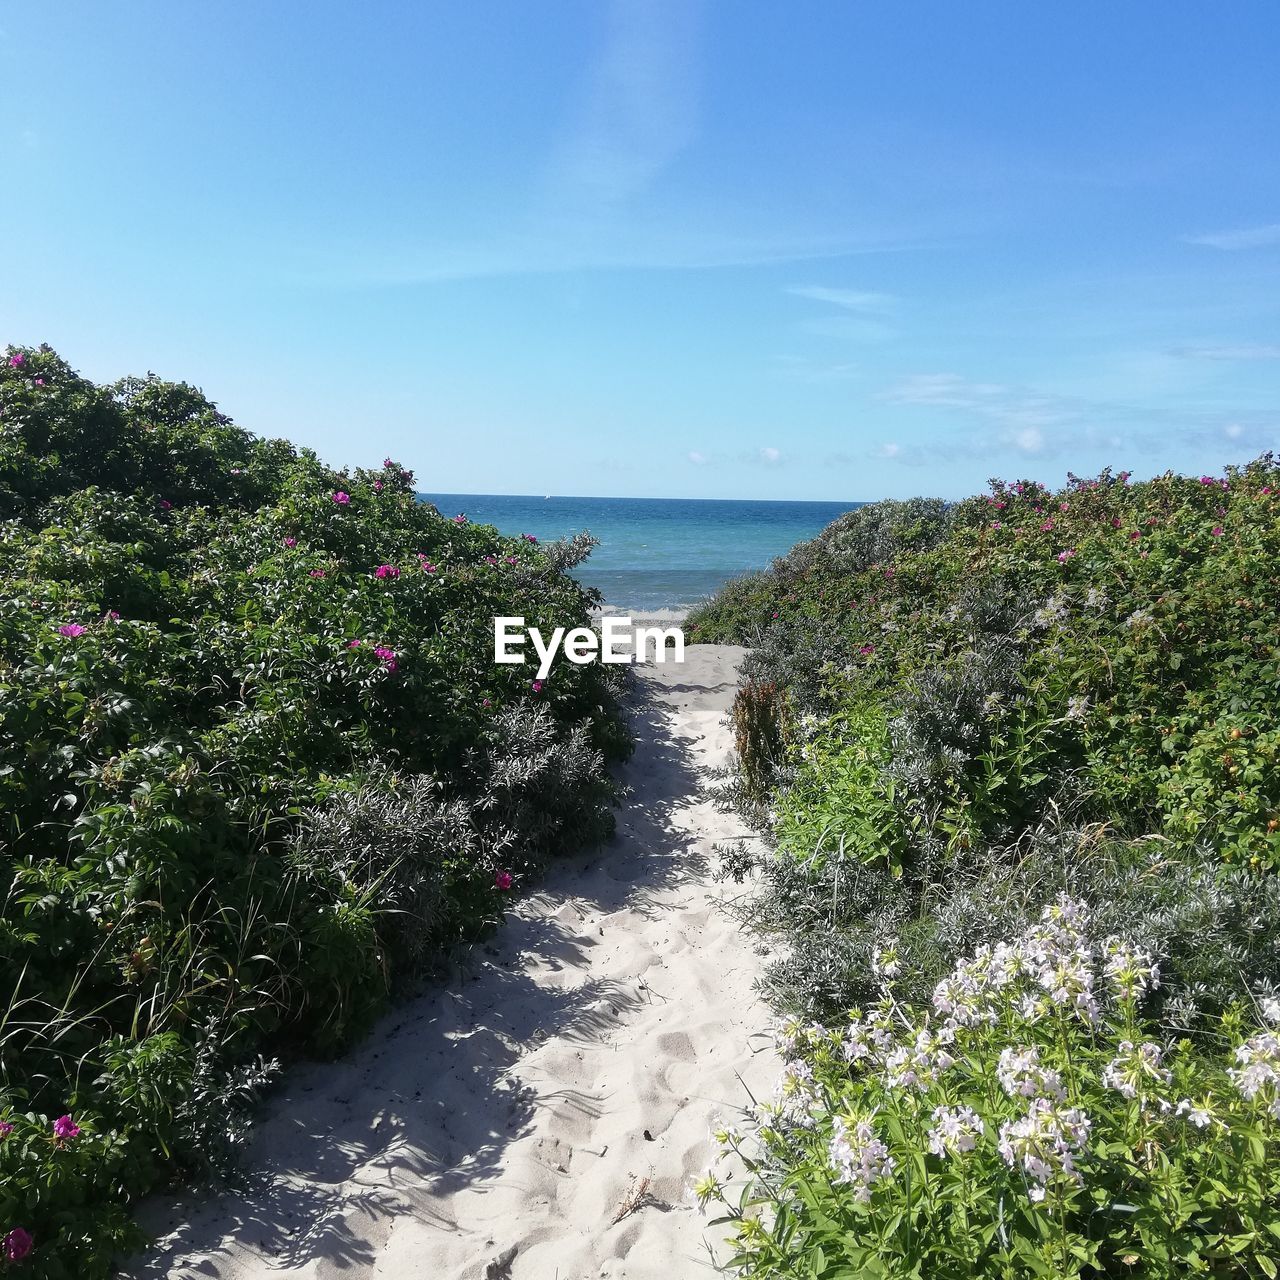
pixel 497 1126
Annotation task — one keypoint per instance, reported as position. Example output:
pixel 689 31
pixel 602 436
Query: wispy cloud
pixel 850 299
pixel 1240 238
pixel 1246 351
pixel 698 458
pixel 770 456
pixel 637 108
pixel 1023 422
pixel 1024 414
pixel 808 370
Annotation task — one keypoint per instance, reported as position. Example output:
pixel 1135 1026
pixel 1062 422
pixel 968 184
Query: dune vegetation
pixel 1016 759
pixel 258 772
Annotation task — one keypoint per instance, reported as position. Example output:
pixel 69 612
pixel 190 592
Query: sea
pixel 657 556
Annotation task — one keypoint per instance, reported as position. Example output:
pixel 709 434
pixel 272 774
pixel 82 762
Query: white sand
pixel 495 1127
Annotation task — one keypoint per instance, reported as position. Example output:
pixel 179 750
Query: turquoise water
pixel 655 553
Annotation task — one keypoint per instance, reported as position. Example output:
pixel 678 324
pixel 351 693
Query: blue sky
pixel 670 248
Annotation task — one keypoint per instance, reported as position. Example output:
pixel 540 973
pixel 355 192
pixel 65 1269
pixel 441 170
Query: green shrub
pixel 257 771
pixel 1025 695
pixel 1030 1123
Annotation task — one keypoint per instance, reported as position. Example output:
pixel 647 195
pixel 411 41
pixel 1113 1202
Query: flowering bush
pixel 975 709
pixel 1029 1121
pixel 257 769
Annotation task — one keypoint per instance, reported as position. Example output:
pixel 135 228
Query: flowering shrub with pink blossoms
pixel 1028 1121
pixel 258 771
pixel 952 715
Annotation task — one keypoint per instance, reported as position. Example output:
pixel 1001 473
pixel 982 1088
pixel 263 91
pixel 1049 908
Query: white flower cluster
pixel 1077 707
pixel 971 995
pixel 918 1064
pixel 1021 1075
pixel 1095 598
pixel 885 962
pixel 1057 956
pixel 954 1129
pixel 1258 1074
pixel 858 1155
pixel 1133 1070
pixel 868 1039
pixel 796 1095
pixel 1130 972
pixel 1053 610
pixel 1046 1142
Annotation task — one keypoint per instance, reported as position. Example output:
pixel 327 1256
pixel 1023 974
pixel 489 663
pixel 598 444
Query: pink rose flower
pixel 291 543
pixel 17 1244
pixel 18 360
pixel 537 686
pixel 340 498
pixel 1216 531
pixel 165 504
pixel 5 1128
pixel 459 519
pixel 64 1128
pixel 71 629
pixel 316 573
pixel 502 880
pixel 386 571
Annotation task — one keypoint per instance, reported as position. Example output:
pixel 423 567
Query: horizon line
pixel 624 497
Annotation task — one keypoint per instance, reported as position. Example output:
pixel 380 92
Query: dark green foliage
pixel 1030 698
pixel 962 690
pixel 257 769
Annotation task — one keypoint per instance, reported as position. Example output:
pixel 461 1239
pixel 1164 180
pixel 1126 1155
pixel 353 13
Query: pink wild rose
pixel 291 543
pixel 18 360
pixel 17 1244
pixel 386 571
pixel 5 1128
pixel 340 498
pixel 71 629
pixel 64 1127
pixel 502 880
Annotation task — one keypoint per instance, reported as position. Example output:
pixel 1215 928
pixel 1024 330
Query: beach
pixel 543 1112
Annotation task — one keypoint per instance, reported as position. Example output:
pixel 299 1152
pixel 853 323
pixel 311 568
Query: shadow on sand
pixel 427 1105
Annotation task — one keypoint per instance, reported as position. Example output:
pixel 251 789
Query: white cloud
pixel 808 370
pixel 1245 351
pixel 637 109
pixel 770 455
pixel 698 459
pixel 1029 439
pixel 889 450
pixel 849 299
pixel 1026 422
pixel 1240 238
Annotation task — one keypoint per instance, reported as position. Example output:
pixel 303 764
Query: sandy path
pixel 585 1048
